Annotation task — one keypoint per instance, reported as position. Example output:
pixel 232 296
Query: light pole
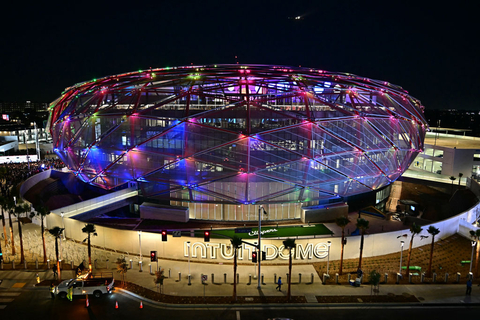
pixel 259 253
pixel 140 247
pixel 188 245
pixel 401 255
pixel 471 258
pixel 329 243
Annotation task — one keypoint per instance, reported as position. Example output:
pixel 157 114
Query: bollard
pixel 312 277
pixel 140 263
pixel 224 278
pixel 446 277
pixel 131 264
pixel 458 277
pixel 422 278
pixel 179 276
pixel 25 264
pixel 190 280
pixel 399 277
pixel 36 264
pixel 262 279
pixel 150 266
pixel 434 278
pixel 409 277
pixel 169 272
pixel 324 279
pixel 299 278
pixel 213 279
pixel 385 278
pixel 275 278
pixel 249 279
pixel 470 276
pixel 48 263
pixel 13 264
pixel 238 278
pixel 336 278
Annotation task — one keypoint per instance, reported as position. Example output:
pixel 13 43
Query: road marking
pixel 238 315
pixel 6 300
pixel 19 285
pixel 7 294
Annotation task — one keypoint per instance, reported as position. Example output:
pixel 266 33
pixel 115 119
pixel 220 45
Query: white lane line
pixel 238 315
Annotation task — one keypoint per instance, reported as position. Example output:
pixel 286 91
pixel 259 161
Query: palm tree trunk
pixel 20 235
pixel 4 226
pixel 10 223
pixel 56 254
pixel 477 262
pixel 235 276
pixel 289 294
pixel 407 271
pixel 429 272
pixel 89 254
pixel 43 241
pixel 361 251
pixel 340 270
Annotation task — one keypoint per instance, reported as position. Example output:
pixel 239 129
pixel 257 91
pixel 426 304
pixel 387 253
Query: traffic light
pixel 264 255
pixel 164 235
pixel 254 257
pixel 153 256
pixel 206 236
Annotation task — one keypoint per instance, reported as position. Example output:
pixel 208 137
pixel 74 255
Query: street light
pixel 401 255
pixel 471 258
pixel 259 255
pixel 329 243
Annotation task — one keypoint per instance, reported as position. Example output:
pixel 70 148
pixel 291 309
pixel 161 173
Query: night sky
pixel 429 49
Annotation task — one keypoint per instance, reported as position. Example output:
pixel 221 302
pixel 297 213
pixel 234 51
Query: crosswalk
pixel 7 297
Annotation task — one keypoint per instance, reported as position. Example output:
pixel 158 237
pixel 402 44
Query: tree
pixel 18 211
pixel 476 236
pixel 236 243
pixel 289 244
pixel 342 222
pixel 89 229
pixel 122 268
pixel 42 212
pixel 363 225
pixel 460 175
pixel 414 229
pixel 433 231
pixel 3 204
pixel 57 233
pixel 159 276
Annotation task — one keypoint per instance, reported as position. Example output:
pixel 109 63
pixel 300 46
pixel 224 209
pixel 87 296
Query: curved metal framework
pixel 238 134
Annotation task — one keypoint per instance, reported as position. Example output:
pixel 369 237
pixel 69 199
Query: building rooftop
pixel 452 141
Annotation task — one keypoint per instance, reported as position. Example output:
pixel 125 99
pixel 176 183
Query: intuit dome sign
pixel 224 251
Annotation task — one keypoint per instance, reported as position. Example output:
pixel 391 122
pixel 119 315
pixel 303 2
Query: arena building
pixel 217 141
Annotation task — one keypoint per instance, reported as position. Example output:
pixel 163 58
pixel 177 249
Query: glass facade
pixel 238 135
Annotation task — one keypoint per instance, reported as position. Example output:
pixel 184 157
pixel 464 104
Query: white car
pixel 82 286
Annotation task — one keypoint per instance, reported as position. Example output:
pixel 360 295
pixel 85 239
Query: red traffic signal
pixel 164 235
pixel 254 257
pixel 206 236
pixel 153 256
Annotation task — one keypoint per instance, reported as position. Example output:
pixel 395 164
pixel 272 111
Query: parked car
pixel 95 285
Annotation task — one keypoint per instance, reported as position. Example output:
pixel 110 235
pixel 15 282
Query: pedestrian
pixel 70 293
pixel 469 287
pixel 52 291
pixel 55 274
pixel 279 284
pixel 38 278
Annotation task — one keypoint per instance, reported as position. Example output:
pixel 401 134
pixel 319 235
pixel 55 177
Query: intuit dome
pixel 220 138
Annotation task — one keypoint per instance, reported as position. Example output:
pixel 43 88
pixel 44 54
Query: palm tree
pixel 89 229
pixel 414 229
pixel 342 223
pixel 10 206
pixel 289 244
pixel 42 212
pixel 236 243
pixel 57 233
pixel 20 209
pixel 362 224
pixel 476 236
pixel 433 231
pixel 3 204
